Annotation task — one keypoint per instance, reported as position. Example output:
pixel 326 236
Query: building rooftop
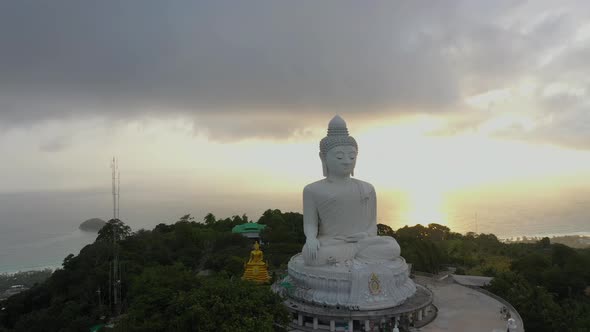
pixel 249 227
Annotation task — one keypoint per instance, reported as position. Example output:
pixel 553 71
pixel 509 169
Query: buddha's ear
pixel 324 167
pixel 352 172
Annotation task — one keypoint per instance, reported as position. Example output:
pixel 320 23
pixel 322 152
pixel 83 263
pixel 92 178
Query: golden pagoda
pixel 256 269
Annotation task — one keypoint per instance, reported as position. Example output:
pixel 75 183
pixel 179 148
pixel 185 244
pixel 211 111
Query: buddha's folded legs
pixel 335 251
pixel 377 248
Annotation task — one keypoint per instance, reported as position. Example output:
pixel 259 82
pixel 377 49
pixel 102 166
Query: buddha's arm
pixel 372 212
pixel 310 226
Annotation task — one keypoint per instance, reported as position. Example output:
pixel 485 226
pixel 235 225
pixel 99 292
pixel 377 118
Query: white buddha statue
pixel 344 263
pixel 339 212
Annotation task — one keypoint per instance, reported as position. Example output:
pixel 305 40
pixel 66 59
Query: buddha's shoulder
pixel 315 186
pixel 361 182
pixel 368 187
pixel 322 184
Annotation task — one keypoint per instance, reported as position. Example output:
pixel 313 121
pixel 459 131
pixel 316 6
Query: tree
pixel 437 232
pixel 428 256
pixel 161 290
pixel 545 242
pixel 384 230
pixel 561 254
pixel 539 310
pixel 186 218
pixel 67 262
pixel 114 228
pixel 271 218
pixel 531 267
pixel 173 298
pixel 415 232
pixel 163 228
pixel 209 219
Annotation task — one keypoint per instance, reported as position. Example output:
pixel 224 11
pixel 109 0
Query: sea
pixel 38 230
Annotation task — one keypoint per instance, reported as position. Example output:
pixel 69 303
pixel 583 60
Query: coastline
pixel 549 235
pixel 41 253
pixel 53 268
pixel 57 264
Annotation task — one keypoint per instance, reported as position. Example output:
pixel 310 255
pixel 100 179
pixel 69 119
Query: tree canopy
pixel 162 287
pixel 114 229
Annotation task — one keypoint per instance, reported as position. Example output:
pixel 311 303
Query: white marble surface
pixel 344 262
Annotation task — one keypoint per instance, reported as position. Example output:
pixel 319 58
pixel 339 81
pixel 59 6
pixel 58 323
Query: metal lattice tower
pixel 116 271
pixel 116 187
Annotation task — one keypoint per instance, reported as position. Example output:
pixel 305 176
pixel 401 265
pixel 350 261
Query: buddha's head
pixel 256 246
pixel 338 150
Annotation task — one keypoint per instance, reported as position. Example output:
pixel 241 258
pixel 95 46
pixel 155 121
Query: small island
pixel 92 225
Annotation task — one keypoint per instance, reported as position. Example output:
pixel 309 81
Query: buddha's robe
pixel 256 269
pixel 256 257
pixel 345 215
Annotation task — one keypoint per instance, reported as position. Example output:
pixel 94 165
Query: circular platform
pixel 309 317
pixel 353 284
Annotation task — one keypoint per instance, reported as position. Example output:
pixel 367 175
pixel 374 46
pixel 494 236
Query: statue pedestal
pixel 256 273
pixel 353 284
pixel 353 295
pixel 305 316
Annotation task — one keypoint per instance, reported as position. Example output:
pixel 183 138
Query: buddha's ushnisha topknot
pixel 337 135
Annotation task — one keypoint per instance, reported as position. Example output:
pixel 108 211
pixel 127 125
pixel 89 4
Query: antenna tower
pixel 116 186
pixel 116 271
pixel 118 192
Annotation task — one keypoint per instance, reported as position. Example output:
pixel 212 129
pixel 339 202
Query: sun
pixel 425 206
pixel 426 171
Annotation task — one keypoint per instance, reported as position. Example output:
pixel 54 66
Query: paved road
pixel 462 309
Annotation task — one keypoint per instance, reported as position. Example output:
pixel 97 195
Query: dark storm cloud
pixel 216 56
pixel 263 60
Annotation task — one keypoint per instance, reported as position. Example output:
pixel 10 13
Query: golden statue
pixel 256 269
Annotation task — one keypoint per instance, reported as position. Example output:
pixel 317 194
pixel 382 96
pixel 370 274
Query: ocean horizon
pixel 75 241
pixel 43 234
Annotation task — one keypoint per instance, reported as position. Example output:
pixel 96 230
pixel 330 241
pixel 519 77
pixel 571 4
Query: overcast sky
pixel 220 94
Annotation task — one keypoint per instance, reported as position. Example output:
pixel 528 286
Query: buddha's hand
pixel 310 252
pixel 356 237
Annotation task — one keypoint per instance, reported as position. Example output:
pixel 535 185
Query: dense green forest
pixel 185 276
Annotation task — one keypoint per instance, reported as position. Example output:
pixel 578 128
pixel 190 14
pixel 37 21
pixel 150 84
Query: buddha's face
pixel 340 160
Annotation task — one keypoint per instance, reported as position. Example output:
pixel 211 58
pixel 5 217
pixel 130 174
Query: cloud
pixel 561 111
pixel 225 63
pixel 564 120
pixel 56 144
